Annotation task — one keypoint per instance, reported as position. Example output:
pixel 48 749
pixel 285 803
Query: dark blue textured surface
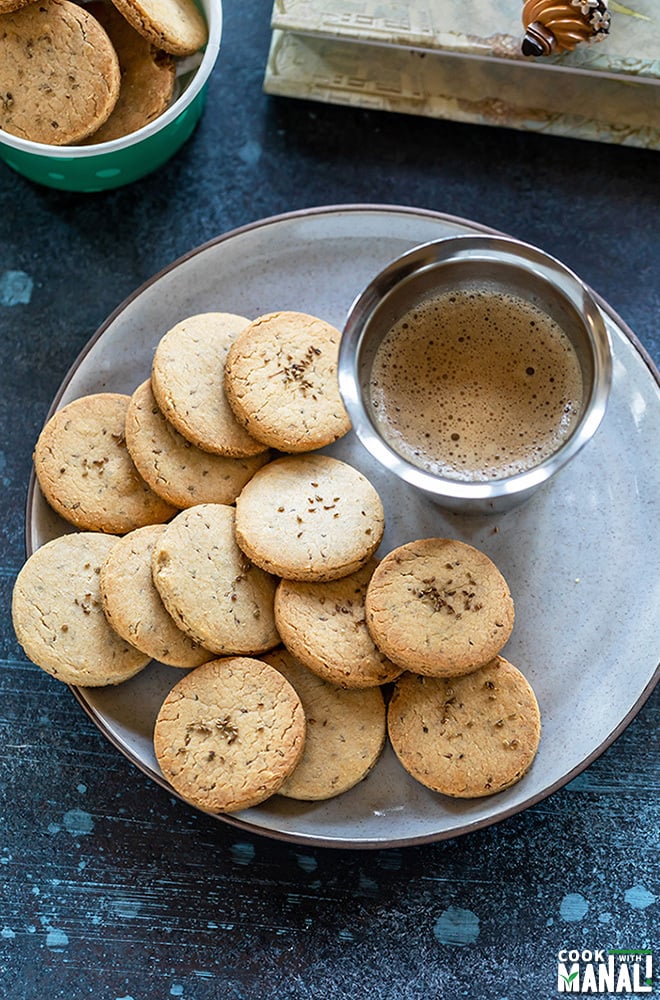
pixel 112 889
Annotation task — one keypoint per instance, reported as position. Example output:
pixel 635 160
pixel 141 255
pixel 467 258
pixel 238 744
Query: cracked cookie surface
pixel 229 734
pixel 438 606
pixel 58 615
pixel 187 383
pixel 174 467
pixel 59 73
pixel 466 736
pixel 134 607
pixel 147 76
pixel 309 517
pixel 209 587
pixel 345 732
pixel 86 473
pixel 324 625
pixel 281 381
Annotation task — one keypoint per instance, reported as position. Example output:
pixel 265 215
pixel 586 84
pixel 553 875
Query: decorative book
pixel 464 61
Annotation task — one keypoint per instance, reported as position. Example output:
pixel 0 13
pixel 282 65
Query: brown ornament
pixel 560 25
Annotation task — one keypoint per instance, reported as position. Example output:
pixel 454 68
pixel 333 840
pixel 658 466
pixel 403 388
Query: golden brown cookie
pixel 324 625
pixel 176 26
pixel 281 381
pixel 440 607
pixel 58 616
pixel 345 732
pixel 229 733
pixel 85 472
pixel 147 76
pixel 59 73
pixel 309 517
pixel 466 736
pixel 209 587
pixel 133 606
pixel 187 382
pixel 176 469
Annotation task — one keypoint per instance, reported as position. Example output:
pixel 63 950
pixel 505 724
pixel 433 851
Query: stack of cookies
pixel 212 535
pixel 74 72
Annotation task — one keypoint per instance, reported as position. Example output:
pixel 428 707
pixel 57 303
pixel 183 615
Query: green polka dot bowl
pixel 121 161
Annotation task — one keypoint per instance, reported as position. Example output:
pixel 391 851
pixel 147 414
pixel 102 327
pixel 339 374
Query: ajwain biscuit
pixel 438 606
pixel 176 469
pixel 187 383
pixel 345 732
pixel 209 587
pixel 324 625
pixel 281 381
pixel 147 76
pixel 176 26
pixel 309 517
pixel 86 473
pixel 466 736
pixel 58 615
pixel 229 734
pixel 133 606
pixel 59 73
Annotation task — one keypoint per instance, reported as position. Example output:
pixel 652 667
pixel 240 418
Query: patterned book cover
pixel 529 98
pixel 491 30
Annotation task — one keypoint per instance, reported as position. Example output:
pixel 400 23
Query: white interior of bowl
pixel 213 12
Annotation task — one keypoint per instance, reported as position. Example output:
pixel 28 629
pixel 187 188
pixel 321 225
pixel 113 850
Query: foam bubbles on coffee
pixel 476 384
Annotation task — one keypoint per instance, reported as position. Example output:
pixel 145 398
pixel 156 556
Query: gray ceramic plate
pixel 579 557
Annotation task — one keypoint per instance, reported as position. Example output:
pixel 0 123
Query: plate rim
pixel 234 820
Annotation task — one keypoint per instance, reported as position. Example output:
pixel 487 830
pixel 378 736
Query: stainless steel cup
pixel 439 266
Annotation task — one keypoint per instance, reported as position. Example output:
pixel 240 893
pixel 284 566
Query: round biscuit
pixel 134 607
pixel 58 615
pixel 466 736
pixel 86 473
pixel 176 469
pixel 209 587
pixel 439 607
pixel 147 76
pixel 309 517
pixel 187 382
pixel 59 73
pixel 229 733
pixel 281 381
pixel 324 625
pixel 176 26
pixel 346 732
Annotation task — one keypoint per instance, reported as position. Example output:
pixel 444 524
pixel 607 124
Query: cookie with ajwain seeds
pixel 59 73
pixel 176 26
pixel 324 625
pixel 147 76
pixel 133 606
pixel 281 381
pixel 466 736
pixel 176 469
pixel 345 732
pixel 440 607
pixel 229 734
pixel 187 382
pixel 309 517
pixel 58 615
pixel 86 473
pixel 209 587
